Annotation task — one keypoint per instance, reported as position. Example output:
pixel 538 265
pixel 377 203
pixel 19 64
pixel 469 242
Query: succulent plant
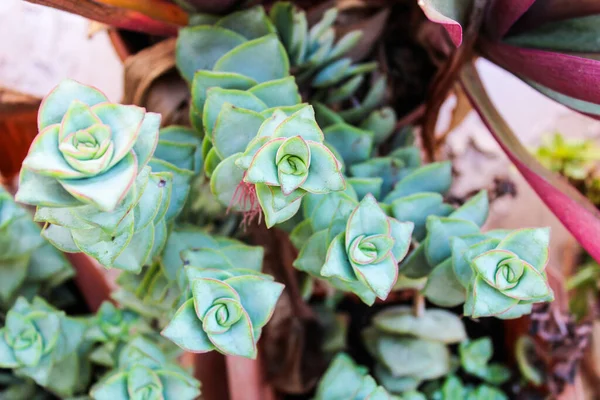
pixel 344 379
pixel 508 275
pixel 87 174
pixel 226 312
pixel 475 356
pixel 144 372
pixel 42 343
pixel 411 349
pixel 28 264
pixel 112 328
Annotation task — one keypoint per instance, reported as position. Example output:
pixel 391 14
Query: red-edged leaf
pixel 572 75
pixel 545 11
pixel 156 17
pixel 575 212
pixel 452 14
pixel 502 15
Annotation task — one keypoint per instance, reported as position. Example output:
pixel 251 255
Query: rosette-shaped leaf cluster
pixel 344 379
pixel 41 343
pixel 87 173
pixel 28 264
pixel 112 328
pixel 227 311
pixel 412 349
pixel 508 275
pixel 144 372
pixel 354 246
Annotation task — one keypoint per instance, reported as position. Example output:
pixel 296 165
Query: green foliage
pixel 42 343
pixel 28 264
pixel 144 372
pixel 474 358
pixel 570 157
pixel 411 349
pixel 346 380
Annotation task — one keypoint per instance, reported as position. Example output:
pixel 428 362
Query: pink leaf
pixel 575 212
pixel 502 15
pixel 452 14
pixel 574 76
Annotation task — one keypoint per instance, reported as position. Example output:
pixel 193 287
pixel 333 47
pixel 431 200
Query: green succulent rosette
pixel 28 264
pixel 87 173
pixel 111 329
pixel 41 343
pixel 226 313
pixel 344 379
pixel 355 246
pixel 144 372
pixel 509 277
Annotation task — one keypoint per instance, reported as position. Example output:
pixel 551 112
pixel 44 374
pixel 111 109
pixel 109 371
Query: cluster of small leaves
pixel 43 344
pixel 87 172
pixel 28 263
pixel 344 379
pixel 411 349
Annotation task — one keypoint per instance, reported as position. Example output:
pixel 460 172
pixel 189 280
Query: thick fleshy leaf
pixel 225 181
pixel 443 288
pixel 200 47
pixel 301 123
pixel 532 286
pixel 103 247
pixel 234 128
pixel 417 207
pixel 485 301
pixel 475 209
pixel 185 330
pixel 503 14
pixel 204 80
pixel 433 324
pixel 263 59
pixel 324 173
pixel 251 23
pixel 206 291
pixel 401 232
pixel 137 252
pixel 147 139
pixel 367 219
pixel 453 15
pixel 337 263
pixel 12 276
pixel 434 177
pixel 530 245
pixel 381 122
pixel 292 159
pixel 465 248
pixel 380 276
pixel 352 143
pixel 238 340
pixel 439 232
pixel 180 185
pixel 111 388
pixel 108 189
pixel 387 168
pixel 267 196
pixel 178 386
pixel 45 158
pixel 60 238
pixel 364 186
pixel 216 97
pixel 78 116
pixel 278 92
pixel 258 297
pixel 578 215
pixel 313 254
pixel 263 169
pixel 56 103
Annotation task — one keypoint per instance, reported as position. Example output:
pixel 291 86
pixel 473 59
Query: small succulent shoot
pixel 367 252
pixel 509 278
pixel 26 259
pixel 41 343
pixel 475 356
pixel 87 173
pixel 344 379
pixel 226 313
pixel 144 372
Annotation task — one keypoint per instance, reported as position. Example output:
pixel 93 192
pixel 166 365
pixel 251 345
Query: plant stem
pixel 418 304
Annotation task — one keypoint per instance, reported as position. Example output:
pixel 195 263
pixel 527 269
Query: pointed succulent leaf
pixel 234 128
pixel 443 288
pixel 301 123
pixel 530 245
pixel 199 48
pixel 475 209
pixel 263 59
pixel 381 122
pixel 352 143
pixel 278 92
pixel 204 80
pixel 251 23
pixel 434 177
pixel 439 232
pixel 417 207
pixel 267 196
